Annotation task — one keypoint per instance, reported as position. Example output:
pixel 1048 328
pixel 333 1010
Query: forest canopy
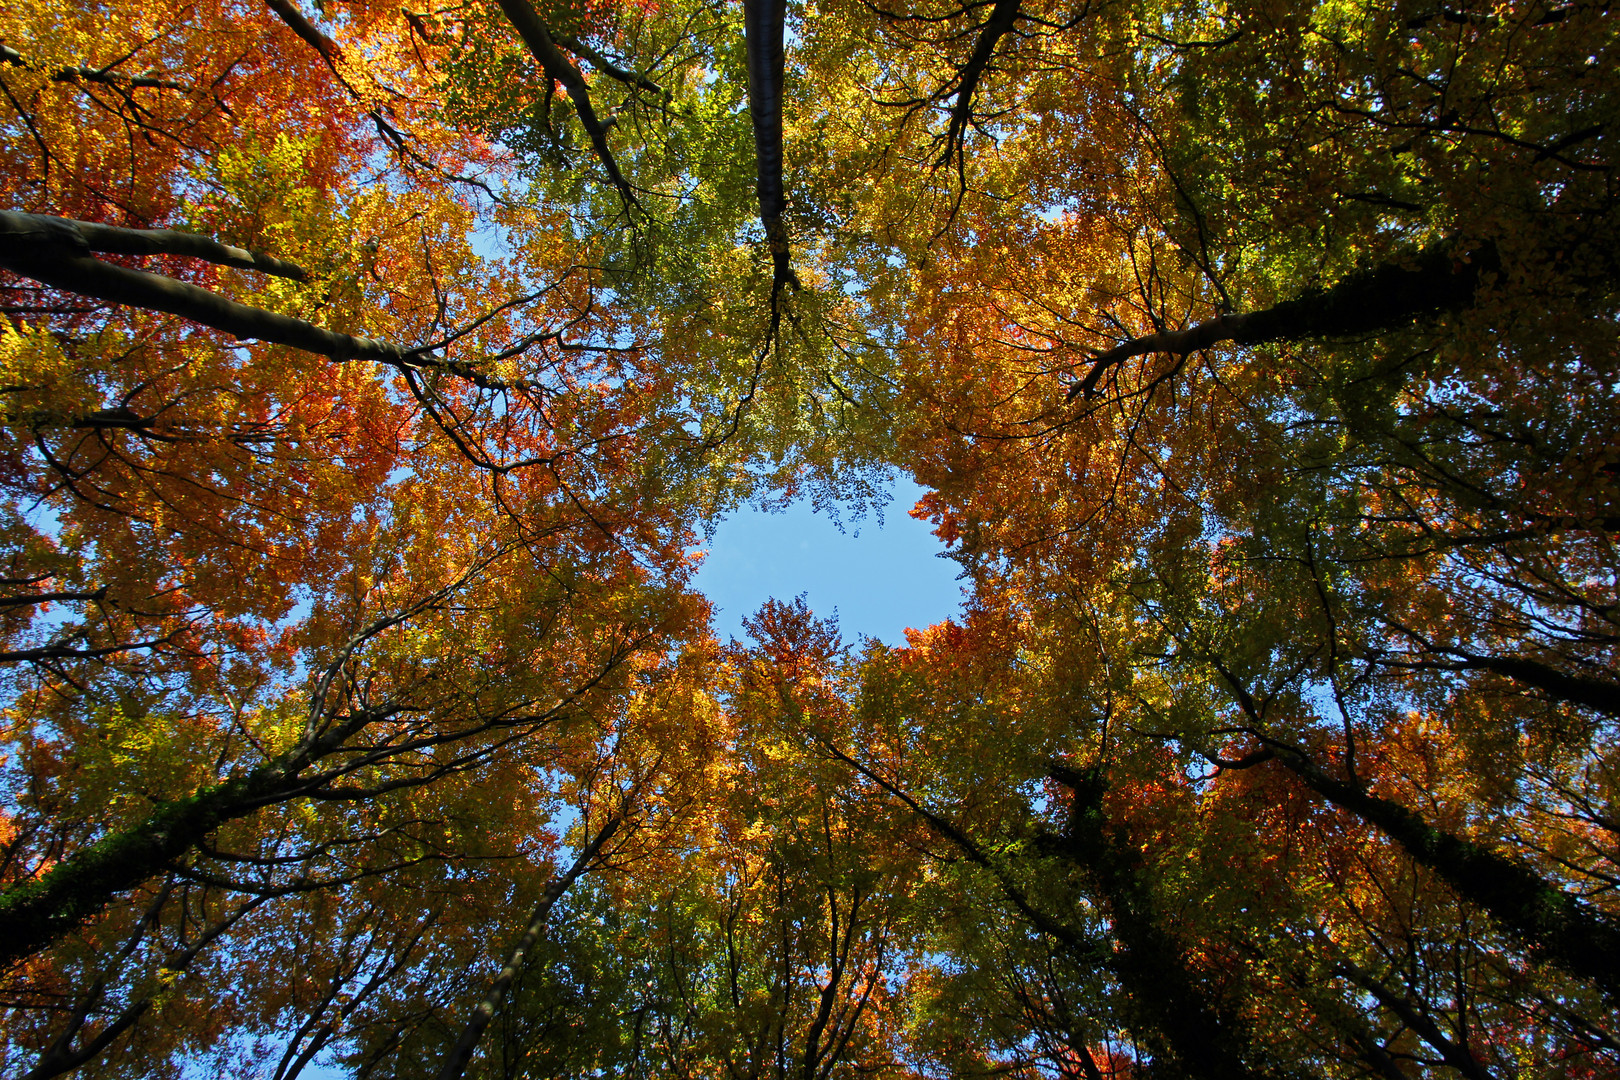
pixel 369 375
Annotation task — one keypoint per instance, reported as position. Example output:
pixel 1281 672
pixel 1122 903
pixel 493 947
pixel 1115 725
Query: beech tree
pixel 370 373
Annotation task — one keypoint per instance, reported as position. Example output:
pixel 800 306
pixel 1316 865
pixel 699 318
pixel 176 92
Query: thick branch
pixel 974 853
pixel 295 20
pixel 38 912
pixel 60 650
pixel 60 1058
pixel 1205 1040
pixel 53 598
pixel 81 237
pixel 82 884
pixel 1544 917
pixel 1576 689
pixel 1385 298
pixel 1001 20
pixel 455 1063
pixel 538 39
pixel 60 268
pixel 1419 1021
pixel 1538 913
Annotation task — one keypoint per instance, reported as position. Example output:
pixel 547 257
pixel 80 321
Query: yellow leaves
pixel 43 384
pixel 128 757
pixel 270 197
pixel 229 518
pixel 277 727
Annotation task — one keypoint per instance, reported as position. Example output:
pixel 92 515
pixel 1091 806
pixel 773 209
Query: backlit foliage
pixel 1259 360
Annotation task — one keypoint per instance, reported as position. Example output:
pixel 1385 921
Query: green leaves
pixel 1260 362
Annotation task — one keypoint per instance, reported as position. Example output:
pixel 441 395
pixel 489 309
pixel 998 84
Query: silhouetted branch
pixel 80 73
pixel 81 237
pixel 1388 297
pixel 764 22
pixel 541 45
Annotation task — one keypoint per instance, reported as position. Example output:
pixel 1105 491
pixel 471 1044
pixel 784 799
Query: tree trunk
pixel 1440 279
pixel 1546 919
pixel 74 890
pixel 1184 1025
pixel 764 23
pixel 455 1063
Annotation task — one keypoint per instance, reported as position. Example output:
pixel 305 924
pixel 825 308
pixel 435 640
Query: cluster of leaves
pixel 367 375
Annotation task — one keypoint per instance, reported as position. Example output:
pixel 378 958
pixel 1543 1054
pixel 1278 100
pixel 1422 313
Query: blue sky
pixel 881 581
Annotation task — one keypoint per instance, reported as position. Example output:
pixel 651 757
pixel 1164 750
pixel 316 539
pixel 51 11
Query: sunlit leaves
pixel 1259 632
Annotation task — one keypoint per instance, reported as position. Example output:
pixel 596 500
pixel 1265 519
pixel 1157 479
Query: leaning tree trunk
pixel 1441 278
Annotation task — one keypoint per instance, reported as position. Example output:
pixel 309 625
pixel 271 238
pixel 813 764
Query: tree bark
pixel 61 1058
pixel 1542 916
pixel 1458 1057
pixel 54 252
pixel 608 67
pixel 38 912
pixel 1203 1040
pixel 942 827
pixel 80 73
pixel 538 40
pixel 298 24
pixel 1001 20
pixel 81 885
pixel 57 264
pixel 1556 684
pixel 764 23
pixel 1440 279
pixel 1545 918
pixel 24 231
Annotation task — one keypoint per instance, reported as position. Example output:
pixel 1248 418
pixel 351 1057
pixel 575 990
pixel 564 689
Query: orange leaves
pixel 796 647
pixel 413 609
pixel 394 633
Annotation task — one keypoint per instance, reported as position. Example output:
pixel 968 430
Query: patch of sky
pixel 1052 213
pixel 879 576
pixel 491 240
pixel 43 517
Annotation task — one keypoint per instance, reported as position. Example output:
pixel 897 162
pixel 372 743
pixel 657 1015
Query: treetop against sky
pixel 371 376
pixel 877 576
